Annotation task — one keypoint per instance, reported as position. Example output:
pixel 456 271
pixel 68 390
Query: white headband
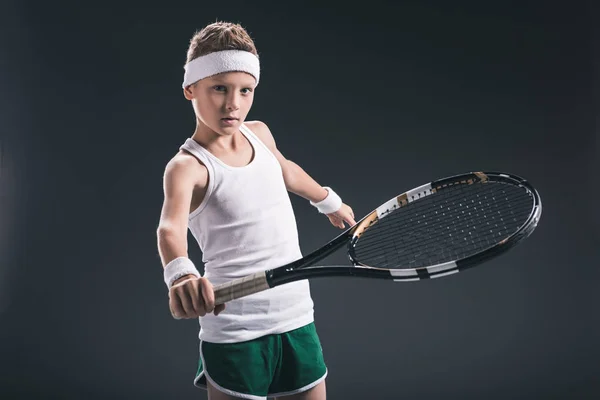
pixel 221 61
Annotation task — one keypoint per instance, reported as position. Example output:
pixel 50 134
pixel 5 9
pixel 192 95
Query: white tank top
pixel 246 224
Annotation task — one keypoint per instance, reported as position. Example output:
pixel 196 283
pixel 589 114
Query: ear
pixel 187 92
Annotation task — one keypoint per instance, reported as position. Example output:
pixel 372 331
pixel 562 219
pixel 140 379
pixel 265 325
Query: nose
pixel 233 102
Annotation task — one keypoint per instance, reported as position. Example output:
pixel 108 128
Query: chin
pixel 228 130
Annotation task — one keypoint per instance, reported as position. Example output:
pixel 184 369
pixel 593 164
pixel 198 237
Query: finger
pixel 175 306
pixel 350 220
pixel 187 304
pixel 208 295
pixel 219 308
pixel 197 301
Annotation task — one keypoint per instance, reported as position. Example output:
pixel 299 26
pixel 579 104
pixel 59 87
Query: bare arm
pixel 297 180
pixel 182 174
pixel 189 297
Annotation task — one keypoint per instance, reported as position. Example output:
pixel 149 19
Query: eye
pixel 246 90
pixel 219 88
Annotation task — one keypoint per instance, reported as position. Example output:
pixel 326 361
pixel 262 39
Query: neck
pixel 210 139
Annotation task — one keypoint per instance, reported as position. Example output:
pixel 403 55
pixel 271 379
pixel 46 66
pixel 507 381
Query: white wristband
pixel 330 204
pixel 177 268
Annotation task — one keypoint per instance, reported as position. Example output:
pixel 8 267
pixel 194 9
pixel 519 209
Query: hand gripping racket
pixel 434 230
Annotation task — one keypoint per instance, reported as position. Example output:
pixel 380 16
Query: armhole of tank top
pixel 211 178
pixel 249 132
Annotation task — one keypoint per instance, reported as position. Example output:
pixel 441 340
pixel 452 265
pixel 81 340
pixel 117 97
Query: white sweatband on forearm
pixel 177 268
pixel 330 204
pixel 219 62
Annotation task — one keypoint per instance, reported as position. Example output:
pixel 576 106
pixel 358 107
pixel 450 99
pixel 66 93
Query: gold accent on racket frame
pixel 483 177
pixel 365 224
pixel 372 218
pixel 402 200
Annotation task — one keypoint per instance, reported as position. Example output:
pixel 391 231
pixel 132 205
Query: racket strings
pixel 426 244
pixel 422 236
pixel 448 225
pixel 455 232
pixel 409 218
pixel 452 247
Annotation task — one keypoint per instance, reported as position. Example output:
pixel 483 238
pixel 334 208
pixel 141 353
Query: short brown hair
pixel 220 36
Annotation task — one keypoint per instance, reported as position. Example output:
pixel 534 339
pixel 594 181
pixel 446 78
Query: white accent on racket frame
pixel 416 192
pixel 383 210
pixel 454 271
pixel 407 280
pixel 403 272
pixel 435 269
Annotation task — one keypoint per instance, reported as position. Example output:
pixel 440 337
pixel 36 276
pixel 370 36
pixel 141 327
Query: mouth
pixel 229 119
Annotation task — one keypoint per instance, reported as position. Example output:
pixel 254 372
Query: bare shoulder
pixel 186 169
pixel 263 132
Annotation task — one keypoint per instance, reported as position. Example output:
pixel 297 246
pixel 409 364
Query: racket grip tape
pixel 240 287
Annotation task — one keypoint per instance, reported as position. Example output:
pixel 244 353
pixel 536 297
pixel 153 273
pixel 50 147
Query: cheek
pixel 207 105
pixel 247 102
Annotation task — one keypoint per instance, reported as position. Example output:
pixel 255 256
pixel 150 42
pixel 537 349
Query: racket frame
pixel 305 268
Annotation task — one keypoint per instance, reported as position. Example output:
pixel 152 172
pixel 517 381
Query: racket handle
pixel 240 287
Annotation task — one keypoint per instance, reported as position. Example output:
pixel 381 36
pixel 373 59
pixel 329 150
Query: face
pixel 222 101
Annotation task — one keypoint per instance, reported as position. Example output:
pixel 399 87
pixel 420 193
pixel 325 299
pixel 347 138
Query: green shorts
pixel 272 365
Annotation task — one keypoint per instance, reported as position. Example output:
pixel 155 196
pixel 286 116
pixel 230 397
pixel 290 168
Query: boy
pixel 229 186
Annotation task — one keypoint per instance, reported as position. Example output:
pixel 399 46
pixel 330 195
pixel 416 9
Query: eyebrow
pixel 220 80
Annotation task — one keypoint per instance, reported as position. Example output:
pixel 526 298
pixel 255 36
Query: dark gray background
pixel 371 99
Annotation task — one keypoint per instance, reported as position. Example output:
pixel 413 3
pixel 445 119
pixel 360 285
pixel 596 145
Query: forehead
pixel 233 78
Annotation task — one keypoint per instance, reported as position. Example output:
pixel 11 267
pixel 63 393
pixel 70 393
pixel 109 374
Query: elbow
pixel 168 233
pixel 162 231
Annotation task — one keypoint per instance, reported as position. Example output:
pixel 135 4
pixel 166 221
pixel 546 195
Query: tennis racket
pixel 434 230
